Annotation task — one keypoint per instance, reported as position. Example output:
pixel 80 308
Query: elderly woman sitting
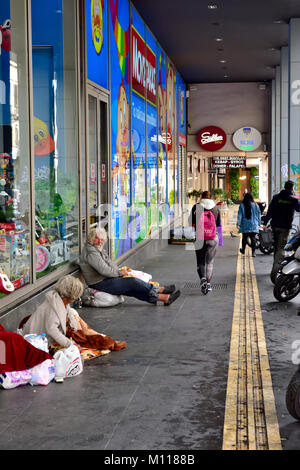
pixel 103 274
pixel 61 323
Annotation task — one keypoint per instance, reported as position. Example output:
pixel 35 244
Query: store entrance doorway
pixel 97 168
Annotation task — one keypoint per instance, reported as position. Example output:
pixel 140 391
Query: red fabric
pixel 18 354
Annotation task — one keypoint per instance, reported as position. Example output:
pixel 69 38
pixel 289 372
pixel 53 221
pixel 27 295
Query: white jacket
pixel 51 318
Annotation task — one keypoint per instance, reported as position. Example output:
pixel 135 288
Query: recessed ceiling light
pixel 223 61
pixel 225 76
pixel 279 22
pixel 212 6
pixel 273 49
pixel 219 39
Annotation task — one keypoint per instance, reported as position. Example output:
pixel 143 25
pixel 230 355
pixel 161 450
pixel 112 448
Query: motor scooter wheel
pixel 287 287
pixel 292 397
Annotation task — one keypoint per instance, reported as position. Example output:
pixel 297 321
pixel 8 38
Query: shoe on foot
pixel 242 251
pixel 203 286
pixel 208 286
pixel 169 289
pixel 173 297
pixel 253 255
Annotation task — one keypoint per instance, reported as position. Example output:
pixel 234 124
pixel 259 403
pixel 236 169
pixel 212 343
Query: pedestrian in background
pixel 281 213
pixel 205 218
pixel 248 221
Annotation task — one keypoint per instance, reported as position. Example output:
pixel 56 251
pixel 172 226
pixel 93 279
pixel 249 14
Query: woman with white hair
pixel 103 274
pixel 60 322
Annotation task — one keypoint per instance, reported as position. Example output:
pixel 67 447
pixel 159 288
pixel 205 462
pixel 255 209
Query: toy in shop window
pixel 5 37
pixel 6 286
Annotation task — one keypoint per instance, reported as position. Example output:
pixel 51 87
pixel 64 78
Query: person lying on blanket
pixel 103 274
pixel 62 324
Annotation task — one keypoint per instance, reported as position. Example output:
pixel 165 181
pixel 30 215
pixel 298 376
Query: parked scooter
pixel 287 284
pixel 290 248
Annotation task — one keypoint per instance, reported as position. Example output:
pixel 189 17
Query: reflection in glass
pixel 55 133
pixel 14 150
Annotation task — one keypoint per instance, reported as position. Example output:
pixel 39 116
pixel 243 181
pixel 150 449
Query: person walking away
pixel 248 221
pixel 205 218
pixel 281 213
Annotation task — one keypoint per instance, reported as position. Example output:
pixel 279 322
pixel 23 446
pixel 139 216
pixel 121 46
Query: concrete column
pixel 277 128
pixel 273 143
pixel 284 111
pixel 294 103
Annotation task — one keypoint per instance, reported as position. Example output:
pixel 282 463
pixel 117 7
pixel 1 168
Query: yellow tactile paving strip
pixel 250 413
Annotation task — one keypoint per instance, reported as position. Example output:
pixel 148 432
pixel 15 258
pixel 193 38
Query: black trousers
pixel 250 235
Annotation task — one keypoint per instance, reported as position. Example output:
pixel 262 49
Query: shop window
pixel 15 256
pixel 55 133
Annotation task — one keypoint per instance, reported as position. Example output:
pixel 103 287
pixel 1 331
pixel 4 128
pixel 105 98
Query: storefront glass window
pixel 14 149
pixel 55 133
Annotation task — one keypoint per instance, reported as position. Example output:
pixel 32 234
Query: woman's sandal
pixel 173 297
pixel 169 289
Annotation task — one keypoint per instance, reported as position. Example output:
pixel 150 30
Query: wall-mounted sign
pixel 211 138
pixel 247 139
pixel 228 162
pixel 143 68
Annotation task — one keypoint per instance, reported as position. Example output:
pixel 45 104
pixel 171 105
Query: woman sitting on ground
pixel 62 324
pixel 103 274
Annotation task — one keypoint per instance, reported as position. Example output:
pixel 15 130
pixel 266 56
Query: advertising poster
pixel 152 133
pixel 161 65
pixel 181 131
pixel 138 55
pixel 97 41
pixel 171 136
pixel 120 137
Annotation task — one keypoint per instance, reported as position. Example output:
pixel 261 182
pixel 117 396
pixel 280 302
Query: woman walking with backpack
pixel 205 218
pixel 248 221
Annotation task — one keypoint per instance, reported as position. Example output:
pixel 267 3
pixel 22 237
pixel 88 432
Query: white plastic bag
pixel 95 298
pixel 68 362
pixel 38 341
pixel 43 373
pixel 9 380
pixel 139 275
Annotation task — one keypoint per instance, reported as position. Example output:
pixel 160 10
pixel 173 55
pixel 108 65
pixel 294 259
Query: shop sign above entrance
pixel 211 138
pixel 247 139
pixel 228 162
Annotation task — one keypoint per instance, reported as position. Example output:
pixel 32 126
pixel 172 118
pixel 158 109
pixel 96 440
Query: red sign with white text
pixel 211 138
pixel 143 68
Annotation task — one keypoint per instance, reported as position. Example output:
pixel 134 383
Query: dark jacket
pixel 282 209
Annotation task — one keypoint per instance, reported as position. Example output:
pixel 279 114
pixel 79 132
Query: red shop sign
pixel 143 68
pixel 211 138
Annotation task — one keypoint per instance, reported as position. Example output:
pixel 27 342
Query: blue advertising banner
pixel 161 64
pixel 120 138
pixel 152 134
pixel 97 41
pixel 138 119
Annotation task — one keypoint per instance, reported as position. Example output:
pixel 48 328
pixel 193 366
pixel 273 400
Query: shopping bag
pixel 9 380
pixel 67 362
pixel 38 341
pixel 220 235
pixel 139 275
pixel 95 298
pixel 43 373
